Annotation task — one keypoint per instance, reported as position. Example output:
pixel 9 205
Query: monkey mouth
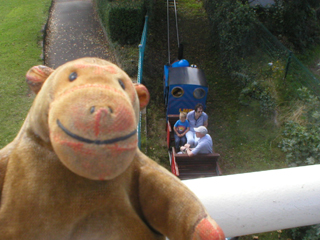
pixel 97 142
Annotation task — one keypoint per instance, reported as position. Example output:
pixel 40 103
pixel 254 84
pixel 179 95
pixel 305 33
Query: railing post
pixel 288 65
pixel 142 46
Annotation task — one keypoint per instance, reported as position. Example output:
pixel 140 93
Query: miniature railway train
pixel 184 87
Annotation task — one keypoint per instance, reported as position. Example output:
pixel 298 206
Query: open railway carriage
pixel 184 87
pixel 185 167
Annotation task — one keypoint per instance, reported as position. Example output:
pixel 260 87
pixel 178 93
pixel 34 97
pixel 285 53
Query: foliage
pixel 234 27
pixel 255 91
pixel 301 140
pixel 243 45
pixel 125 35
pixel 295 22
pixel 263 84
pixel 155 146
pixel 124 20
pixel 305 233
pixel 126 23
pixel 279 235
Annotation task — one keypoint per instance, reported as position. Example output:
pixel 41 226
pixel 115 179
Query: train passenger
pixel 203 146
pixel 181 127
pixel 196 118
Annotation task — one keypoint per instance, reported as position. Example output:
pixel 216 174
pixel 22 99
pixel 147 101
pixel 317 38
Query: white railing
pixel 263 201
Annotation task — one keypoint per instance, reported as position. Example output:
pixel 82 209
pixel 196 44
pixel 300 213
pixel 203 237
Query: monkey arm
pixel 172 209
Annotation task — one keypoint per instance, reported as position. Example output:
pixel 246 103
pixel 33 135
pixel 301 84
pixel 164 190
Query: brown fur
pixel 56 186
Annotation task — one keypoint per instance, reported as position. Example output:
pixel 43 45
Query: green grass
pixel 312 60
pixel 275 235
pixel 20 26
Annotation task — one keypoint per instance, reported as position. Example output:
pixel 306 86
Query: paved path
pixel 74 31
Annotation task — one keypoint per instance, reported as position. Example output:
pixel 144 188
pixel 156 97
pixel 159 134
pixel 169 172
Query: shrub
pixel 294 22
pixel 123 20
pixel 301 140
pixel 256 91
pixel 306 233
pixel 263 86
pixel 234 26
pixel 126 22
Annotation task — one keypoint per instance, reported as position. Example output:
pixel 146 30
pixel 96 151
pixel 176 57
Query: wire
pixel 168 31
pixel 168 26
pixel 176 15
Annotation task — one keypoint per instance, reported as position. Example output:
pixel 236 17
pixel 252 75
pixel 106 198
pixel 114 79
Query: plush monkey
pixel 74 171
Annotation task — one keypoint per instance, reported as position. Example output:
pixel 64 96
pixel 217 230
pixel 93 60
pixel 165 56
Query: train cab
pixel 185 86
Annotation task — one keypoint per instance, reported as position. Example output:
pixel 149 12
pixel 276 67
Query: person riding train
pixel 181 127
pixel 203 146
pixel 196 118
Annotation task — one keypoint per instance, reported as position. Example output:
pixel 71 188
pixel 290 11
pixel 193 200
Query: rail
pixel 142 47
pixel 263 201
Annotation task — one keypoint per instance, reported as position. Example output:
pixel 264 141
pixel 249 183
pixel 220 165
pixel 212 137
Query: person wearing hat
pixel 196 118
pixel 203 146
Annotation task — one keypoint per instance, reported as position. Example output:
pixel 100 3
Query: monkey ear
pixel 143 95
pixel 36 76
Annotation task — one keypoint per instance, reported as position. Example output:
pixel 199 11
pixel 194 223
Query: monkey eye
pixel 121 84
pixel 73 76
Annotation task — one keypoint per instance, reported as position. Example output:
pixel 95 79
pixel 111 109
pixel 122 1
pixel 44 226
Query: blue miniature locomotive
pixel 184 87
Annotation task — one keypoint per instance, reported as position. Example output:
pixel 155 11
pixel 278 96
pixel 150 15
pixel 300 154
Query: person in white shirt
pixel 203 146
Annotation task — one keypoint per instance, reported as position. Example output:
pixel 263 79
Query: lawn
pixel 20 48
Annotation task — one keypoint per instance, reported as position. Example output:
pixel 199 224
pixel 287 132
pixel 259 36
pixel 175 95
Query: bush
pixel 294 22
pixel 126 22
pixel 301 140
pixel 263 83
pixel 305 233
pixel 234 26
pixel 256 91
pixel 123 20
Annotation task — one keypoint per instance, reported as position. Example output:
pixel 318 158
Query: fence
pixel 142 46
pixel 293 72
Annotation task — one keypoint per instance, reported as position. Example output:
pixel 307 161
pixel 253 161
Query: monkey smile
pixel 98 142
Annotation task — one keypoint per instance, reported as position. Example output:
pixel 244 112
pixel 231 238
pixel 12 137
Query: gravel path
pixel 74 31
